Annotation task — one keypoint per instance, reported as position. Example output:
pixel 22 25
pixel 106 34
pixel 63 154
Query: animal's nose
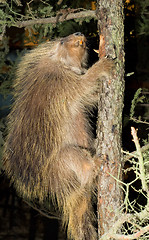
pixel 78 34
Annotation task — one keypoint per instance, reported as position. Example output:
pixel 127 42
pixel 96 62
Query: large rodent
pixel 48 151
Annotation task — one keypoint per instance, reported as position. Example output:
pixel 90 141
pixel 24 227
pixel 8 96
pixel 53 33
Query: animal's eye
pixel 77 44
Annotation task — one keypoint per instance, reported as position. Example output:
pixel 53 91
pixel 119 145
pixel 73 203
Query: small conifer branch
pixel 130 155
pixel 140 158
pixel 118 224
pixel 70 16
pixel 136 235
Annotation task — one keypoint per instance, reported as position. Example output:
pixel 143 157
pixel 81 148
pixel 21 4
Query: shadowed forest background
pixel 18 219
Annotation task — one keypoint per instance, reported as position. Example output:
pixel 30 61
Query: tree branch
pixel 130 155
pixel 70 16
pixel 118 224
pixel 3 32
pixel 128 237
pixel 140 158
pixel 59 18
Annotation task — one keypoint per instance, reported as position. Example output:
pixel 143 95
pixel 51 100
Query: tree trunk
pixel 111 29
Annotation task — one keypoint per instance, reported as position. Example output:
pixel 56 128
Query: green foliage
pixel 142 26
pixel 43 9
pixel 14 11
pixel 146 163
pixel 10 13
pixel 137 99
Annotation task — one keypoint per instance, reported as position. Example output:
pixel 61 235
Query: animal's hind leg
pixel 77 187
pixel 79 212
pixel 77 163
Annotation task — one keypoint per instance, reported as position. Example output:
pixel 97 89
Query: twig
pixel 59 2
pixel 54 20
pixel 117 225
pixel 29 9
pixel 82 14
pixel 3 33
pixel 140 158
pixel 129 237
pixel 18 2
pixel 129 155
pixel 144 213
pixel 134 154
pixel 138 121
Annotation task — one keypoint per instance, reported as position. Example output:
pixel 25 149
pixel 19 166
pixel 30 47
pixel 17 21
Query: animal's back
pixel 41 122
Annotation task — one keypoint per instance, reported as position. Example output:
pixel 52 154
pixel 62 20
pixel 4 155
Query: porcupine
pixel 48 151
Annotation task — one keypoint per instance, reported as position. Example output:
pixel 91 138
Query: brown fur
pixel 48 146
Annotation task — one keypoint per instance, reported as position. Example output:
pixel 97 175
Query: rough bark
pixel 111 29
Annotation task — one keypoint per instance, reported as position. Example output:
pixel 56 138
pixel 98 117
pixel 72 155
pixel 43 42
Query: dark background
pixel 18 220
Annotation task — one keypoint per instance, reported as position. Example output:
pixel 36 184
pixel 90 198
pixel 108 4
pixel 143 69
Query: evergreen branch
pixel 117 225
pixel 134 102
pixel 136 235
pixel 138 121
pixel 134 154
pixel 61 17
pixel 140 158
pixel 3 32
pixel 54 20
